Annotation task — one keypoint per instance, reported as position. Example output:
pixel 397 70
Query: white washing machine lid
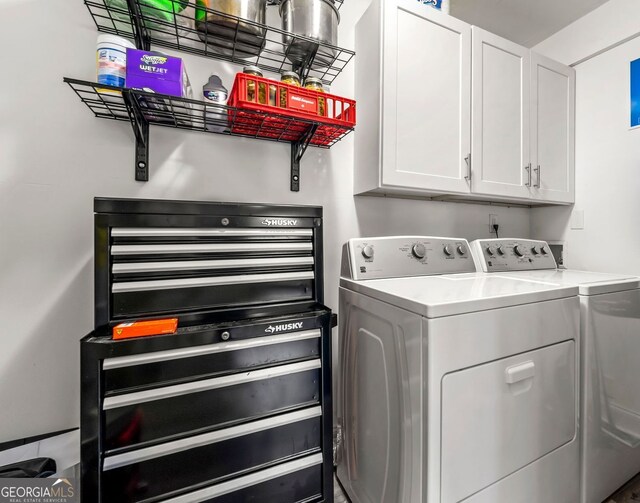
pixel 448 295
pixel 588 283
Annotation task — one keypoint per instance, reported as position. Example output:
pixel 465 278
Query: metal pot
pixel 225 33
pixel 316 19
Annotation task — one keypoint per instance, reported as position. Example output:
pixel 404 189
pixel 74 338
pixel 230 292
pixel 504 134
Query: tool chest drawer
pixel 165 468
pixel 182 409
pixel 299 481
pixel 233 355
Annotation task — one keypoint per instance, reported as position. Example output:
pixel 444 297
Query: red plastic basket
pixel 281 111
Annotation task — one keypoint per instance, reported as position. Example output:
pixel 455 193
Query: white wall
pixel 615 21
pixel 607 151
pixel 55 157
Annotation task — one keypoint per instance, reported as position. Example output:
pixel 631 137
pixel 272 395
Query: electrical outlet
pixel 493 220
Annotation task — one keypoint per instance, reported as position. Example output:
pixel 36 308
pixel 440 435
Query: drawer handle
pixel 243 279
pixel 125 232
pixel 118 362
pixel 520 372
pixel 202 265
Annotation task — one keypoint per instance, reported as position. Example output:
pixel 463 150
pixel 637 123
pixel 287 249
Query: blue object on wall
pixel 435 3
pixel 635 93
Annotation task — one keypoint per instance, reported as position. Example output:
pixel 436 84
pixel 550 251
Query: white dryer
pixel 610 342
pixel 455 386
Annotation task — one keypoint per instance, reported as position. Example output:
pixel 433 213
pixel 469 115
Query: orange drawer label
pixel 145 328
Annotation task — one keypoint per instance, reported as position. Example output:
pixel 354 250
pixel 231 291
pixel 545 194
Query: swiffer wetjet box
pixel 156 72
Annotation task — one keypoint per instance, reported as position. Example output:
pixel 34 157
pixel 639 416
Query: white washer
pixel 610 342
pixel 455 386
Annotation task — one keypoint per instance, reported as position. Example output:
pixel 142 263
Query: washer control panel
pixel 398 257
pixel 501 255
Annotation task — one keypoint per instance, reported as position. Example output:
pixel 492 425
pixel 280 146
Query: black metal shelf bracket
pixel 298 149
pixel 304 67
pixel 138 122
pixel 140 127
pixel 142 38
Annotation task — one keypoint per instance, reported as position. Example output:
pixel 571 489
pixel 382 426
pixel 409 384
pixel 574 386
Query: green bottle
pixel 164 11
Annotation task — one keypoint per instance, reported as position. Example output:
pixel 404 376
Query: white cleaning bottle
pixel 214 93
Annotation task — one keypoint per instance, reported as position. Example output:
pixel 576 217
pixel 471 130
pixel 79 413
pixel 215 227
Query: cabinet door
pixel 426 98
pixel 552 130
pixel 500 117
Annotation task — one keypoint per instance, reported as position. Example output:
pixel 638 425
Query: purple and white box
pixel 156 72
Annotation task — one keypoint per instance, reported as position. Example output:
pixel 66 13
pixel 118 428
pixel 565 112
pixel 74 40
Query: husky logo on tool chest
pixel 279 222
pixel 282 328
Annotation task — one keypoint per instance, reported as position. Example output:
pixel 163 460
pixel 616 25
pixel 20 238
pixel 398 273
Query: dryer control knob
pixel 448 250
pixel 462 250
pixel 544 250
pixel 491 250
pixel 419 251
pixel 518 251
pixel 534 250
pixel 500 250
pixel 367 252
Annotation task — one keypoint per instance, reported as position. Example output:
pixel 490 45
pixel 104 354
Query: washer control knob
pixel 448 251
pixel 500 250
pixel 462 250
pixel 491 250
pixel 419 251
pixel 544 250
pixel 518 251
pixel 367 252
pixel 535 250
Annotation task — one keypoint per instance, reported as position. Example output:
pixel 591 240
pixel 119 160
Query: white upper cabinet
pixel 500 118
pixel 456 112
pixel 552 130
pixel 419 95
pixel 427 96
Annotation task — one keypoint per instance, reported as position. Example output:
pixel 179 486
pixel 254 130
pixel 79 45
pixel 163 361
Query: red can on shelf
pixel 285 112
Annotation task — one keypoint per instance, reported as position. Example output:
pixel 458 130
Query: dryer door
pixel 500 416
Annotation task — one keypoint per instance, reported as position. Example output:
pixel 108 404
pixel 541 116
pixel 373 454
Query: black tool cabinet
pixel 236 407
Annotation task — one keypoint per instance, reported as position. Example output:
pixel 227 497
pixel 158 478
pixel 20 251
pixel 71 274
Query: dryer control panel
pixel 502 255
pixel 398 257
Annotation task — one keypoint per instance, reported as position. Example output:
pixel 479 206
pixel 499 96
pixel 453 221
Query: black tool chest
pixel 236 406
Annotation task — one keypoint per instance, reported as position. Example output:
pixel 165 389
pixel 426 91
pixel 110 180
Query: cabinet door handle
pixel 468 161
pixel 528 170
pixel 539 173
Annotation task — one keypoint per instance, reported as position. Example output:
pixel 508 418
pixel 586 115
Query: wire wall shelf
pixel 205 32
pixel 142 109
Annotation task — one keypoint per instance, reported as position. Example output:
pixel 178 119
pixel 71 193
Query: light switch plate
pixel 577 220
